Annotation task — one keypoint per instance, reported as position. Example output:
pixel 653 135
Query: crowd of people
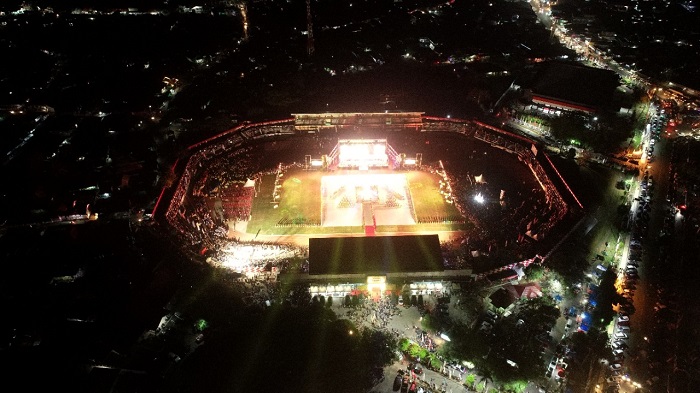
pixel 556 207
pixel 237 201
pixel 374 313
pixel 260 257
pixel 296 222
pixel 257 291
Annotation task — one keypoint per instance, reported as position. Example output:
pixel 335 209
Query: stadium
pixel 344 200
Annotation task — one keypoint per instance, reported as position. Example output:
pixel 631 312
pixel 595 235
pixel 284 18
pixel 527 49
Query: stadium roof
pixel 375 255
pixel 383 120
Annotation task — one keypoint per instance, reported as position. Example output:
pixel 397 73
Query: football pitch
pixel 317 202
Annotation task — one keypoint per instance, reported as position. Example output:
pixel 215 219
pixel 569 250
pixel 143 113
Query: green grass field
pixel 299 210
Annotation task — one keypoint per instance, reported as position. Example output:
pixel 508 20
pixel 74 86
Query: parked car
pixel 397 382
pixel 491 314
pixel 404 385
pixel 569 323
pixel 619 344
pixel 551 367
pixel 460 367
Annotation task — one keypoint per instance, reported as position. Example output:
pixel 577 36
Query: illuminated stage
pixel 362 154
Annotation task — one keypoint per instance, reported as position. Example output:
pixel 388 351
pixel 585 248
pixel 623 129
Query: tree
pixel 465 343
pixel 406 298
pixel 534 272
pixel 414 350
pixel 435 321
pixel 299 294
pixel 343 358
pixel 404 344
pixel 614 130
pixel 485 376
pixel 587 348
pixel 513 352
pixel 382 344
pixel 434 362
pixel 607 297
pixel 568 127
pixel 518 386
pixel 569 265
pixel 470 380
pixel 471 298
pixel 540 311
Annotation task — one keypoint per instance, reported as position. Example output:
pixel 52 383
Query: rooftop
pixel 375 255
pixel 571 83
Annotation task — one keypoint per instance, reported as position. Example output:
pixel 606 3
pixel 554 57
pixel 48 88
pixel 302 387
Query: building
pixel 570 87
pixel 339 266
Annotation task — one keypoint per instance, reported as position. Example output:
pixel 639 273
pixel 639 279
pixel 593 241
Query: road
pixel 642 321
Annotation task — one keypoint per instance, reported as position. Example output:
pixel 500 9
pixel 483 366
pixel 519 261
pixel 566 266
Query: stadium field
pixel 299 207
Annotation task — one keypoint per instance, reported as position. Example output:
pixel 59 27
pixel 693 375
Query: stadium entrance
pixel 376 286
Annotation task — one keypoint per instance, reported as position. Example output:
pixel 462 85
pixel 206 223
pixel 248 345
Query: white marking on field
pixel 342 198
